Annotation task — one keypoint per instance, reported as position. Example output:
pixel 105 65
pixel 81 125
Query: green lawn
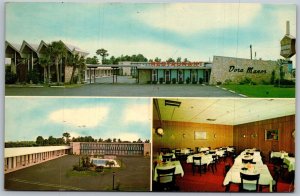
pixel 261 90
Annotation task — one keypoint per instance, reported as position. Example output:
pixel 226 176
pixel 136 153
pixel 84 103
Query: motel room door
pixel 167 75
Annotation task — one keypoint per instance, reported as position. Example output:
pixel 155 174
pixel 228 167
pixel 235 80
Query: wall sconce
pixel 160 131
pixel 243 136
pixel 215 135
pixel 183 135
pixel 254 135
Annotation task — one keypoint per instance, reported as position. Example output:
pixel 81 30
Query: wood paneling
pixel 285 125
pixel 181 135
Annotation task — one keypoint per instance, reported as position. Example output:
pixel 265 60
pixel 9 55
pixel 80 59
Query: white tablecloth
pixel 256 159
pixel 169 165
pixel 202 149
pixel 206 159
pixel 233 175
pixel 183 151
pixel 160 157
pixel 279 154
pixel 290 162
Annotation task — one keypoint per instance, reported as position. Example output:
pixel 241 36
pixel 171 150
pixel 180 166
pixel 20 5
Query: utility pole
pixel 250 51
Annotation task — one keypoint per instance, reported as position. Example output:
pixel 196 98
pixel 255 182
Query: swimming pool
pixel 102 162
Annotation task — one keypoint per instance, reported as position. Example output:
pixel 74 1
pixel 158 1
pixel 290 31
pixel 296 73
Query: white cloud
pixel 149 48
pixel 190 18
pixel 90 117
pixel 128 136
pixel 140 113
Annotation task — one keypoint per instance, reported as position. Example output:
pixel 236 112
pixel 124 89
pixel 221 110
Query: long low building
pixel 111 148
pixel 22 157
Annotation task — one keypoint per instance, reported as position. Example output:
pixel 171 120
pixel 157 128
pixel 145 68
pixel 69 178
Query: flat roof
pixel 19 151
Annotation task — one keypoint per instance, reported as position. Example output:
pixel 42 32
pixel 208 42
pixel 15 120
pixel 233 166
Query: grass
pixel 261 90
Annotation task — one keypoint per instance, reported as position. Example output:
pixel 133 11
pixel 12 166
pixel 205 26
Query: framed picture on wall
pixel 271 135
pixel 200 135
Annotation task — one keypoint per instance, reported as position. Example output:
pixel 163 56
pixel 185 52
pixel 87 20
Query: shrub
pixel 219 83
pixel 168 82
pixel 10 77
pixel 188 80
pixel 78 168
pixel 33 76
pixel 246 81
pixel 161 80
pixel 227 81
pixel 99 168
pixel 154 82
pixel 200 80
pixel 272 81
pixel 173 80
pixel 194 81
pixel 180 82
pixel 148 82
pixel 284 83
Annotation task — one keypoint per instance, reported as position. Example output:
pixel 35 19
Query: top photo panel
pixel 150 49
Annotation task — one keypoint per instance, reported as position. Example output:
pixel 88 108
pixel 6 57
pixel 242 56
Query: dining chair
pixel 165 150
pixel 197 164
pixel 244 186
pixel 213 163
pixel 166 179
pixel 167 158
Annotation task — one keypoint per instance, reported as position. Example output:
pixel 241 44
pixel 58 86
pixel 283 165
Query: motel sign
pixel 288 48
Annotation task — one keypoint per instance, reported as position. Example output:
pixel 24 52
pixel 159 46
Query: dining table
pixel 183 150
pixel 206 159
pixel 233 175
pixel 279 154
pixel 169 165
pixel 290 162
pixel 255 158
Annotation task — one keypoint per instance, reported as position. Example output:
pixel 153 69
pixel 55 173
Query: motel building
pixel 24 58
pixel 222 70
pixel 100 148
pixel 22 157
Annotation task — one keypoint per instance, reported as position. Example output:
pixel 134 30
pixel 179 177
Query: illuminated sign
pixel 288 48
pixel 175 64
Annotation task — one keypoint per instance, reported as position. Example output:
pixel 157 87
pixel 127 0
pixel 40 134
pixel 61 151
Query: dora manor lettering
pixel 251 70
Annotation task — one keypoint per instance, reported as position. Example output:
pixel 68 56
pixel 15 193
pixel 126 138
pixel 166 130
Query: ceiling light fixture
pixel 172 103
pixel 211 119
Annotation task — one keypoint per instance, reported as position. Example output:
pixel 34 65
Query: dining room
pixel 215 145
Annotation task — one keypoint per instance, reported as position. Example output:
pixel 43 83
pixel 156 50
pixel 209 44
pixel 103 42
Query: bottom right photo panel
pixel 223 145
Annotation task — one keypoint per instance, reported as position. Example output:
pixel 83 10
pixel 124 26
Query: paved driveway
pixel 125 90
pixel 55 175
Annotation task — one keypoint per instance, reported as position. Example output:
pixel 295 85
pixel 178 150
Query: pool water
pixel 102 162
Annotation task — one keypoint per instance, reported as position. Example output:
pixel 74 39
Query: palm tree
pixel 103 53
pixel 73 61
pixel 67 136
pixel 45 62
pixel 58 52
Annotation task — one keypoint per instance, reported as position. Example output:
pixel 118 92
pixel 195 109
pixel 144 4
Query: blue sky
pixel 127 118
pixel 193 30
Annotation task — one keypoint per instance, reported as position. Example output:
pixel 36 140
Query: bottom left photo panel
pixel 77 144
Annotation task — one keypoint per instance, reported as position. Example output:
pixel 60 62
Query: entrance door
pixel 167 75
pixel 180 76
